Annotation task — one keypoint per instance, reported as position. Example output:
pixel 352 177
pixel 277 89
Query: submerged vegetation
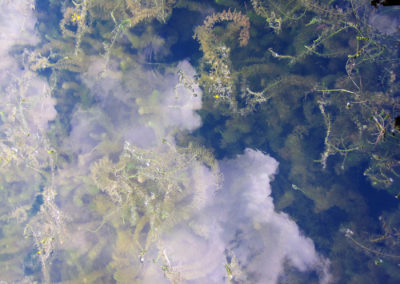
pixel 105 166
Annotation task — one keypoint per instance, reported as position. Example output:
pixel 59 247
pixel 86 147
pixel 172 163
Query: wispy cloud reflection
pixel 241 223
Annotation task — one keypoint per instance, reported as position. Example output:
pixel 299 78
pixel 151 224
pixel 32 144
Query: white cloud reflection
pixel 239 220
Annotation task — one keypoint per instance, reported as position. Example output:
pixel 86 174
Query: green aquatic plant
pixel 324 34
pixel 127 14
pixel 370 249
pixel 46 231
pixel 333 145
pixel 76 18
pixel 359 119
pixel 369 128
pixel 150 184
pixel 153 190
pixel 277 14
pixel 27 162
pixel 234 272
pixel 218 82
pixel 81 26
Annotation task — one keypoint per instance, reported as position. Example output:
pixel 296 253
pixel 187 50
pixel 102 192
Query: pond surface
pixel 178 141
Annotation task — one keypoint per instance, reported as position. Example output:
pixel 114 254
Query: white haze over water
pixel 239 220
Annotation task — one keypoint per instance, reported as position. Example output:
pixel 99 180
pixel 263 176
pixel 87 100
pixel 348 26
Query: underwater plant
pixel 218 82
pixel 154 190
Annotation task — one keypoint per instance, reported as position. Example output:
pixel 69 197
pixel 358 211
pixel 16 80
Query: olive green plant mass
pixel 134 137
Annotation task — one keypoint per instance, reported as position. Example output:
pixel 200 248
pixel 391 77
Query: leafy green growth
pixel 155 189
